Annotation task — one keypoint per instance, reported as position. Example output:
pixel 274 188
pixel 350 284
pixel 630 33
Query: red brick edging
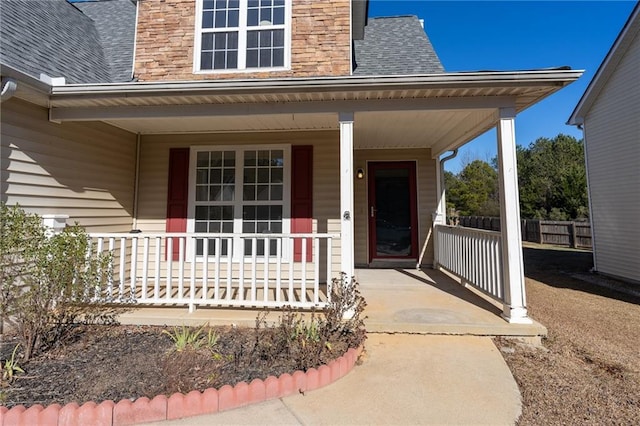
pixel 143 410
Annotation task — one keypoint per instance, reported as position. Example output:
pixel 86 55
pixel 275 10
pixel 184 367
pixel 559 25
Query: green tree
pixel 474 191
pixel 552 179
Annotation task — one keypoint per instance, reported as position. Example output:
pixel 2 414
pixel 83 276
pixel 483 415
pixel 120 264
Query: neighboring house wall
pixel 612 149
pixel 83 170
pixel 165 45
pixel 426 193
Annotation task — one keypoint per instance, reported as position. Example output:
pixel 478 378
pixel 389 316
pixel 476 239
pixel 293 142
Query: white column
pixel 346 193
pixel 515 305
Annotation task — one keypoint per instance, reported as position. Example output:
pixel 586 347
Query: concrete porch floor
pixel 398 301
pixel 431 302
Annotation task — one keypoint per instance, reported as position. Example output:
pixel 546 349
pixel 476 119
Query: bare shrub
pixel 48 280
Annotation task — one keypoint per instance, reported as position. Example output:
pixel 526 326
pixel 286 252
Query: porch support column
pixel 439 215
pixel 514 305
pixel 346 194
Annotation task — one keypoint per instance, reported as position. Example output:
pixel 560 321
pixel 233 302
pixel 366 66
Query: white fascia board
pixel 309 107
pixel 348 83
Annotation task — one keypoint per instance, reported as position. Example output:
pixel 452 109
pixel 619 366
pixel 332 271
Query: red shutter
pixel 177 196
pixel 301 196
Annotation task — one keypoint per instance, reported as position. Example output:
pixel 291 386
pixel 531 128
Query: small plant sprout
pixel 191 338
pixel 11 367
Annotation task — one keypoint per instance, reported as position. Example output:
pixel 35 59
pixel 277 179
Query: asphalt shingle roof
pixel 93 41
pixel 115 21
pixel 58 39
pixel 395 46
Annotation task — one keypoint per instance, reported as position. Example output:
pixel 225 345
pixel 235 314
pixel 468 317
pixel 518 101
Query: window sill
pixel 243 71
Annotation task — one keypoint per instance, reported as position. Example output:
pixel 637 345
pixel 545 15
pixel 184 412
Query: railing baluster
pixel 181 247
pixel 316 268
pixel 169 276
pixel 278 268
pixel 134 266
pixel 156 281
pixel 145 268
pixel 254 254
pixel 329 268
pixel 99 249
pixel 218 248
pixel 205 269
pixel 241 271
pixel 112 245
pixel 265 295
pixel 229 270
pixel 303 282
pixel 291 268
pixel 123 265
pixel 192 280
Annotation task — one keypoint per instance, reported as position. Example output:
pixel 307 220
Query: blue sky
pixel 518 35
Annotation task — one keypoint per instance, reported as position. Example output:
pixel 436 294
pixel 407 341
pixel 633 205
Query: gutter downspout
pixel 136 184
pixel 435 217
pixel 135 43
pixel 443 190
pixel 440 215
pixel 9 87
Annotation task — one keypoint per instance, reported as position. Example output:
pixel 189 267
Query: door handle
pixel 373 211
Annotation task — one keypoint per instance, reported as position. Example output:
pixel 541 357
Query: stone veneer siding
pixel 320 41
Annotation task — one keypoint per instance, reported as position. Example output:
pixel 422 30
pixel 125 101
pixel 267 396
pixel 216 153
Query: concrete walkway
pixel 404 380
pixel 427 361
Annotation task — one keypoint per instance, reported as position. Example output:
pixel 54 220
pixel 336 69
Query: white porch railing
pixel 245 270
pixel 473 255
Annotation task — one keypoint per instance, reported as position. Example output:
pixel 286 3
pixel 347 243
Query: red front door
pixel 393 218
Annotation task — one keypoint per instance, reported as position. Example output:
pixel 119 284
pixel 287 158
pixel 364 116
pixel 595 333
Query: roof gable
pixel 395 46
pixel 629 32
pixel 58 39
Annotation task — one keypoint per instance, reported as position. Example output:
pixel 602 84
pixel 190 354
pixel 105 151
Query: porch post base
pixel 516 315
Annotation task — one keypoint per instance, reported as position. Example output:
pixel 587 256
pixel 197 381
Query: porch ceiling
pixel 439 111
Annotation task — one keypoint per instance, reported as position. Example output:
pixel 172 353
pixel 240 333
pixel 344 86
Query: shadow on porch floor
pixel 431 302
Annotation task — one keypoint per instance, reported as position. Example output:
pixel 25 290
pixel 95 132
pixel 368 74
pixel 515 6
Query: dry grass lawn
pixel 588 372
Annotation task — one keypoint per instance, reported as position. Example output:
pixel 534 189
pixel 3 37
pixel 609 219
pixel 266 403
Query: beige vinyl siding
pixel 426 181
pixel 154 154
pixel 83 170
pixel 612 149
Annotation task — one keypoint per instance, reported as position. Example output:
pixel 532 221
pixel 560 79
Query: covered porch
pixel 398 301
pixel 348 124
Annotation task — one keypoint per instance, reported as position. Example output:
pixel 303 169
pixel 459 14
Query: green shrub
pixel 48 282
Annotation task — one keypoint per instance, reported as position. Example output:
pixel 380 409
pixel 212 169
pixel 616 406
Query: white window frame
pixel 239 202
pixel 242 29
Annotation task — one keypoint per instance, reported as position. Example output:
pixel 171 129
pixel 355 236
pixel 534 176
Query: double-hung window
pixel 239 191
pixel 242 35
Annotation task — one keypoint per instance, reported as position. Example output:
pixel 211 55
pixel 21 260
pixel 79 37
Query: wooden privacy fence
pixel 575 234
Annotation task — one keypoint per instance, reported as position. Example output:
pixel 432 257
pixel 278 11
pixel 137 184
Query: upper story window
pixel 242 34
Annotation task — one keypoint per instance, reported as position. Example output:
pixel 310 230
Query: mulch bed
pixel 127 362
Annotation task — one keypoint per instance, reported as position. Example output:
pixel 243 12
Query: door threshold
pixel 393 263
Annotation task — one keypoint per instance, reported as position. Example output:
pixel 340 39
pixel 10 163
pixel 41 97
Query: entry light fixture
pixel 360 173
